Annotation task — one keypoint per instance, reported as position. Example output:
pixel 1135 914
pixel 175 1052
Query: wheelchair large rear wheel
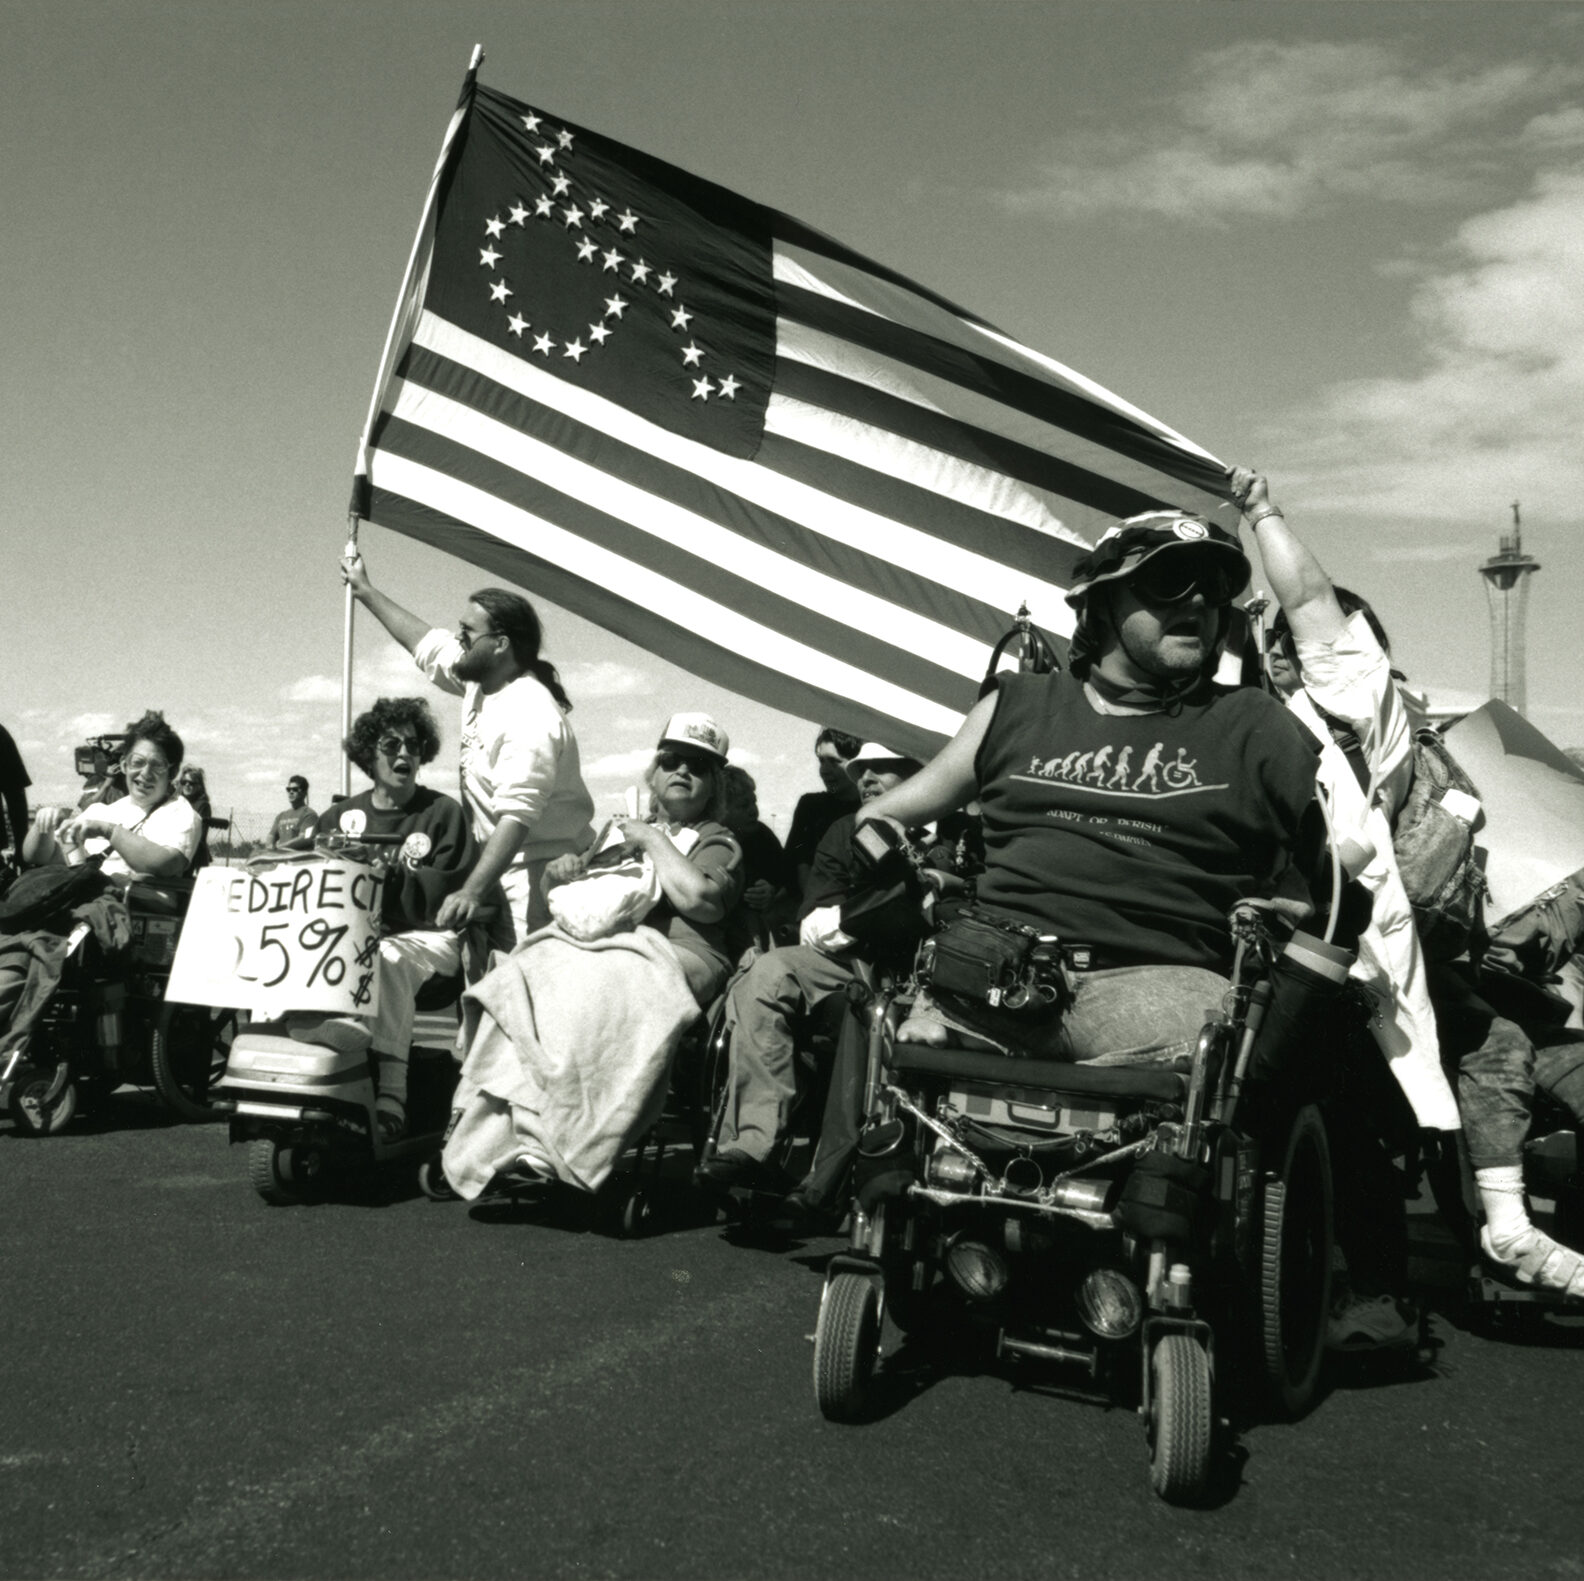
pixel 1294 1291
pixel 188 1049
pixel 1181 1421
pixel 847 1347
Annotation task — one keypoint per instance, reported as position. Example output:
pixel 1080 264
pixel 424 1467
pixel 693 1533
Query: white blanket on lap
pixel 570 1057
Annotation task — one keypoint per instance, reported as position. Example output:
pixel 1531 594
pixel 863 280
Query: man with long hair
pixel 522 781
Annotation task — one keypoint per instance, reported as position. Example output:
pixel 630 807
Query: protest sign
pixel 301 935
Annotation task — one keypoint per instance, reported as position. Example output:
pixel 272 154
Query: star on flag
pixel 551 165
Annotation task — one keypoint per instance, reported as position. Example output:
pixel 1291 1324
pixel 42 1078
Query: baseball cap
pixel 872 752
pixel 698 733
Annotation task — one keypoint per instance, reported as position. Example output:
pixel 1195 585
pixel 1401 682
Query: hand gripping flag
pixel 733 441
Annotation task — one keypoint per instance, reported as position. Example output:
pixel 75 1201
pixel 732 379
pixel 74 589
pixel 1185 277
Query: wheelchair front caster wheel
pixel 847 1347
pixel 432 1182
pixel 1181 1422
pixel 37 1111
pixel 285 1173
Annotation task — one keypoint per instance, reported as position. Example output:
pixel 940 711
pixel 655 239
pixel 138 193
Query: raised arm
pixel 947 782
pixel 401 623
pixel 1296 577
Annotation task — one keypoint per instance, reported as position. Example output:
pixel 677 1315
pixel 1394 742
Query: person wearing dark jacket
pixel 783 987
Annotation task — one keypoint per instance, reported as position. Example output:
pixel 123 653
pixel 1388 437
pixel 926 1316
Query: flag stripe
pixel 905 305
pixel 1018 558
pixel 1116 477
pixel 1010 386
pixel 980 564
pixel 604 572
pixel 1050 474
pixel 651 539
pixel 791 237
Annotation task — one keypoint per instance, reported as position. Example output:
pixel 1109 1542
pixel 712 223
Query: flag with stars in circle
pixel 732 440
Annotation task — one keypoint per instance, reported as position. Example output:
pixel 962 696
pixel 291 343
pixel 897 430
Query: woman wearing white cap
pixel 570 1061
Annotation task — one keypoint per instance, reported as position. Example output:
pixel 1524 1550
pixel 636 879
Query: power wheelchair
pixel 1167 1233
pixel 108 1023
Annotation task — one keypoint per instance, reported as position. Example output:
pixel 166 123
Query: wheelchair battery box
pixel 1032 1109
pixel 154 940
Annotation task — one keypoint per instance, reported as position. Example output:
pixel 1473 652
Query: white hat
pixel 876 752
pixel 697 732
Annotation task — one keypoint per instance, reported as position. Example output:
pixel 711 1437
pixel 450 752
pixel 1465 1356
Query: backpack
pixel 1434 844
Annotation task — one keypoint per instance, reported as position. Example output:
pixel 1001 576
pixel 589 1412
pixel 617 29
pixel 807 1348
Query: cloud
pixel 606 678
pixel 312 689
pixel 384 670
pixel 1269 130
pixel 1492 415
pixel 619 765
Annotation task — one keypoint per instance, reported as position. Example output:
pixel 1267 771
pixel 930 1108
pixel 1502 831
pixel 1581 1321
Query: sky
pixel 1341 242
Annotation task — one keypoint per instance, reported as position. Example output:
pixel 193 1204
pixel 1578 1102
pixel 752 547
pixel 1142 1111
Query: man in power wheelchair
pixel 1056 1121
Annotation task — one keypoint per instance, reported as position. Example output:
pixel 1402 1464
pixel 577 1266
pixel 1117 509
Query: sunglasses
pixel 467 638
pixel 670 762
pixel 392 745
pixel 1175 576
pixel 150 765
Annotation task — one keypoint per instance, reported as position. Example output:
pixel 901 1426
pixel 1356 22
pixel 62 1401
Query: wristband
pixel 1258 516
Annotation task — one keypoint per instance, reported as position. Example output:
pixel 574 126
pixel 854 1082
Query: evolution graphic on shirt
pixel 1111 769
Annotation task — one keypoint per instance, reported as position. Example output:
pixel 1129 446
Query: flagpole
pixel 360 472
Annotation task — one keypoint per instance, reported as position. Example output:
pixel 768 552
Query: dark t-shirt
pixel 763 857
pixel 435 856
pixel 291 823
pixel 812 816
pixel 1136 834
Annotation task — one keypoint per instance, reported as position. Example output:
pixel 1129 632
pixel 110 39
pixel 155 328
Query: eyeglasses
pixel 146 765
pixel 670 762
pixel 1175 576
pixel 466 636
pixel 391 745
pixel 302 788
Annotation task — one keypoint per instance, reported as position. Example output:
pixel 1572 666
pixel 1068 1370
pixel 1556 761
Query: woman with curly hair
pixel 390 743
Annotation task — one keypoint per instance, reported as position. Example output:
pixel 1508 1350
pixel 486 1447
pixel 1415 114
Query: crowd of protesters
pixel 730 915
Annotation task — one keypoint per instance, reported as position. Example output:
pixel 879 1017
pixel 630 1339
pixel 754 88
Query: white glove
pixel 821 930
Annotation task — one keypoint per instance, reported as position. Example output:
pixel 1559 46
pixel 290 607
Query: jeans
pixel 1493 1063
pixel 1124 1015
pixel 1559 1069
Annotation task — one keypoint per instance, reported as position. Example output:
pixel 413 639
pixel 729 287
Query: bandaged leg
pixel 1511 1240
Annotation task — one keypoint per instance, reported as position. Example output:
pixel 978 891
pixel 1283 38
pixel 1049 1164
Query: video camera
pixel 113 746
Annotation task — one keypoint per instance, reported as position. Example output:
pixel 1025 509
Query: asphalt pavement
pixel 198 1384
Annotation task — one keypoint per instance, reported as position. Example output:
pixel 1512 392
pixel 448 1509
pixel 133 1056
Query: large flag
pixel 732 440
